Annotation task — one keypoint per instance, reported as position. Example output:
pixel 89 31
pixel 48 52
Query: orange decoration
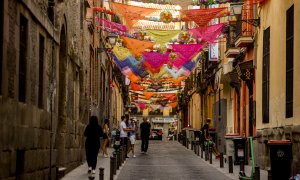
pixel 173 105
pixel 133 78
pixel 148 95
pixel 136 87
pixel 130 13
pixel 136 47
pixel 202 16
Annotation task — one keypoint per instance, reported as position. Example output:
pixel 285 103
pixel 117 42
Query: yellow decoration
pixel 166 16
pixel 121 52
pixel 163 36
pixel 184 36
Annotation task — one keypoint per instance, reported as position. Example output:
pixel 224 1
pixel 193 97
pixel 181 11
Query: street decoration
pixel 111 25
pixel 162 36
pixel 156 59
pixel 166 17
pixel 103 9
pixel 184 36
pixel 137 47
pixel 202 16
pixel 209 33
pixel 130 13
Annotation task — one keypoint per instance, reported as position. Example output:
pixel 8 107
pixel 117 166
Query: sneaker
pixel 134 156
pixel 89 170
pixel 143 152
pixel 106 156
pixel 93 171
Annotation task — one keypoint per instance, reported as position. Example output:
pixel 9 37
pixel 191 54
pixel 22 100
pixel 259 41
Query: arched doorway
pixel 62 117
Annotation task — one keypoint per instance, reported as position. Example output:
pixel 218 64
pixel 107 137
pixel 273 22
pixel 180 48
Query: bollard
pixel 257 173
pixel 112 164
pixel 198 149
pixel 230 164
pixel 242 167
pixel 115 163
pixel 192 145
pixel 269 174
pixel 101 174
pixel 201 150
pixel 206 152
pixel 210 155
pixel 118 159
pixel 221 160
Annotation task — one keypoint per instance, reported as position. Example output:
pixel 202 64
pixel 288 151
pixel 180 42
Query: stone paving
pixel 168 160
pixel 164 160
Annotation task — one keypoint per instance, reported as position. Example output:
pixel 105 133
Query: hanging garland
pixel 103 9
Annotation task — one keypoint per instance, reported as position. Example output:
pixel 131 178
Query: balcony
pixel 244 34
pixel 231 50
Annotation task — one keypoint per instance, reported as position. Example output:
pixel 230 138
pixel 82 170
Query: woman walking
pixel 93 132
pixel 105 138
pixel 132 133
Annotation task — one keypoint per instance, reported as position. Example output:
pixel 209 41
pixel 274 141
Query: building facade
pixel 277 79
pixel 52 78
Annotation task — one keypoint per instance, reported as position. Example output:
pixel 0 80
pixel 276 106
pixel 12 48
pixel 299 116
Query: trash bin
pixel 229 144
pixel 239 150
pixel 281 158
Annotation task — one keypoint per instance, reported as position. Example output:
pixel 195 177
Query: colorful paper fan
pixel 166 16
pixel 184 36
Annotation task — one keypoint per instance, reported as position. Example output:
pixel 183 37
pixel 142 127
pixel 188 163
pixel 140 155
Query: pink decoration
pixel 141 106
pixel 156 59
pixel 186 53
pixel 112 25
pixel 209 33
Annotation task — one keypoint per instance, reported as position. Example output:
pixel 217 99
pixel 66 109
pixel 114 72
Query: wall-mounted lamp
pixel 111 39
pixel 237 10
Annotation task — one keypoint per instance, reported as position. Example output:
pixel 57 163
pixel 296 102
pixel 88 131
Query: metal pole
pixel 221 160
pixel 257 173
pixel 118 158
pixel 242 165
pixel 230 164
pixel 112 164
pixel 101 174
pixel 115 163
pixel 210 154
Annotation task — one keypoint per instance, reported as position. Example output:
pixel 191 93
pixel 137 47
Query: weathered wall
pixel 25 128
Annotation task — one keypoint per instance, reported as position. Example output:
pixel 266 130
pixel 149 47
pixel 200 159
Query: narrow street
pixel 168 160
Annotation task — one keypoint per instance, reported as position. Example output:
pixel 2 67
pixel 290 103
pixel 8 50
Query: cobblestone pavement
pixel 168 160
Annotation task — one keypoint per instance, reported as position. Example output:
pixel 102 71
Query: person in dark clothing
pixel 145 128
pixel 92 132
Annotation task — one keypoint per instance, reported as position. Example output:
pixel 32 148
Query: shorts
pixel 132 139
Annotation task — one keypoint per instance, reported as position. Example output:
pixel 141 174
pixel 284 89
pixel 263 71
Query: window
pixel 41 71
pixel 289 62
pixel 22 58
pixel 1 41
pixel 51 10
pixel 266 76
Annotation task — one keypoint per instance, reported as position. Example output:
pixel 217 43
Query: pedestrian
pixel 113 135
pixel 132 137
pixel 123 133
pixel 145 128
pixel 105 138
pixel 92 132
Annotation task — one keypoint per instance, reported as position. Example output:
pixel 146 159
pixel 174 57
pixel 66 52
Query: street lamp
pixel 111 39
pixel 237 10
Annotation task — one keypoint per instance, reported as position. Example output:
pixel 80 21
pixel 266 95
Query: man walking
pixel 123 133
pixel 145 133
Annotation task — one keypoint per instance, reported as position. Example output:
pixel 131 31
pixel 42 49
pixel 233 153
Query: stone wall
pixel 262 151
pixel 25 129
